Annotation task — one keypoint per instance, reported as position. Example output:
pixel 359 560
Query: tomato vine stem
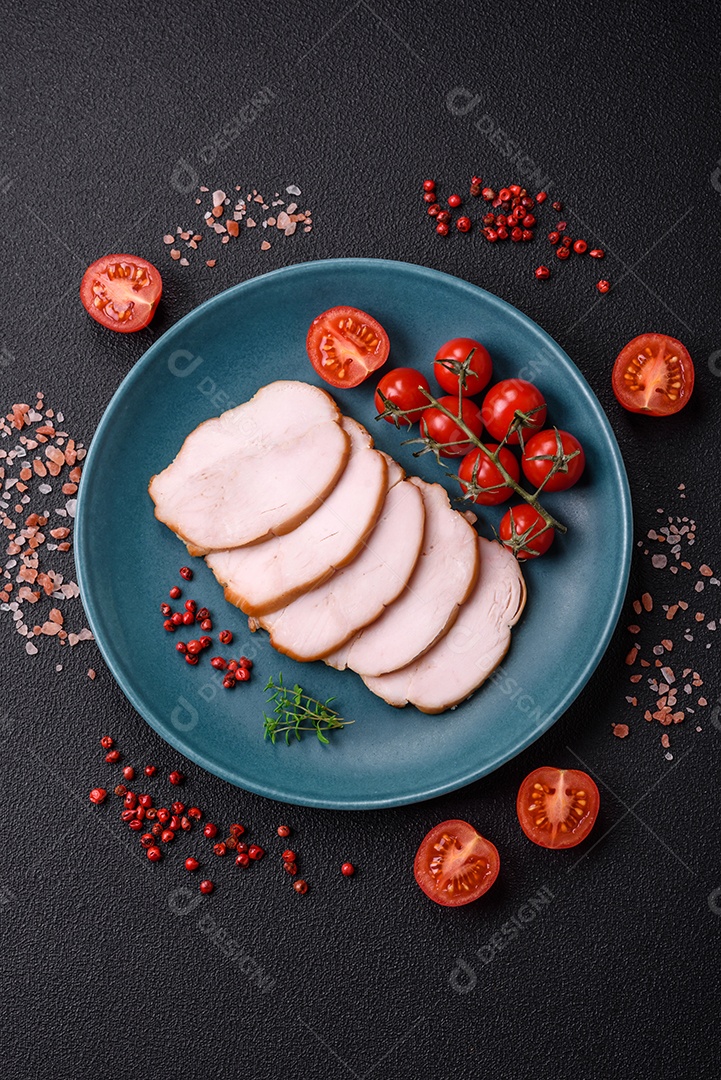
pixel 398 415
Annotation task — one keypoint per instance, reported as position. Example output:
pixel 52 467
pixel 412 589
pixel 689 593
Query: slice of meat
pixel 257 470
pixel 322 620
pixel 264 577
pixel 443 577
pixel 473 647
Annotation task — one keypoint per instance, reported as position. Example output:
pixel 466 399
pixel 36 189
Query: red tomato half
pixel 504 400
pixel 478 471
pixel 524 531
pixel 557 808
pixel 653 374
pixel 454 353
pixel 455 865
pixel 542 451
pixel 401 386
pixel 121 292
pixel 452 441
pixel 345 345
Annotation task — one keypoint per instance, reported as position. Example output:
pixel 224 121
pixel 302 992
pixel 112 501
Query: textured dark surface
pixel 105 971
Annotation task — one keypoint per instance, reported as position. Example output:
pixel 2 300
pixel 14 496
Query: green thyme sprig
pixel 296 712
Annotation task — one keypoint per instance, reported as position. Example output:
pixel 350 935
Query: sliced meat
pixel 255 471
pixel 474 646
pixel 443 577
pixel 264 577
pixel 322 620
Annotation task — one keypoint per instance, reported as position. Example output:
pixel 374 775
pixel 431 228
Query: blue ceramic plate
pixel 219 355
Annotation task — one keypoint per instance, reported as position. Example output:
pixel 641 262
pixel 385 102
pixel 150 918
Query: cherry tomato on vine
pixel 557 808
pixel 653 374
pixel 478 374
pixel 121 292
pixel 545 449
pixel 504 400
pixel 524 531
pixel 478 471
pixel 401 386
pixel 452 440
pixel 455 865
pixel 345 345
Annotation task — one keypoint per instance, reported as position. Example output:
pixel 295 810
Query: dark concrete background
pixel 105 970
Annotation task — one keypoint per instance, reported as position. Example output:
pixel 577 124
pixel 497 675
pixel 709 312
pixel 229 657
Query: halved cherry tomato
pixel 653 374
pixel 542 451
pixel 455 865
pixel 402 387
pixel 452 441
pixel 345 345
pixel 121 292
pixel 525 533
pixel 478 374
pixel 504 400
pixel 477 471
pixel 557 808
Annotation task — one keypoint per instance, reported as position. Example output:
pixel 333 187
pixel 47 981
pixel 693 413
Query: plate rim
pixel 372 803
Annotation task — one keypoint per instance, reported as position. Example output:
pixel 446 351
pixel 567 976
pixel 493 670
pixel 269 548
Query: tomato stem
pixel 493 455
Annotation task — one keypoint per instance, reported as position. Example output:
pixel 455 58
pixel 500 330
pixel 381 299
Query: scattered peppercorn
pixel 191 863
pixel 347 869
pixel 176 777
pixel 603 286
pixel 210 830
pixel 175 592
pixel 154 853
pixel 300 886
pixel 98 795
pixel 186 573
pixel 206 887
pixel 107 742
pixel 283 830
